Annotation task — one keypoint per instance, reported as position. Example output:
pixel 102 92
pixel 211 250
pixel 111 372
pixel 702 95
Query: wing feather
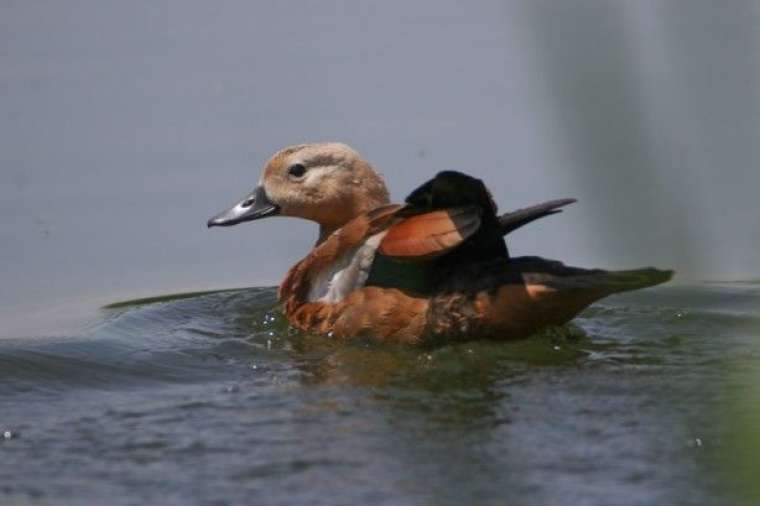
pixel 429 235
pixel 512 221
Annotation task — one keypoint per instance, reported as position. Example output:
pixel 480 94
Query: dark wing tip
pixel 512 221
pixel 555 204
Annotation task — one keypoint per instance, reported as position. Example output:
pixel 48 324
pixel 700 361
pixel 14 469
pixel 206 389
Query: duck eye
pixel 296 170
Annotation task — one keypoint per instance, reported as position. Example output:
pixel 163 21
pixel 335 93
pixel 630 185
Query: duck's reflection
pixel 458 384
pixel 432 414
pixel 457 368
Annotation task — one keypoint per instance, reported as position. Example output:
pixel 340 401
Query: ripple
pixel 161 390
pixel 173 338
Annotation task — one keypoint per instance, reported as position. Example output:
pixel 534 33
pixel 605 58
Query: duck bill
pixel 255 206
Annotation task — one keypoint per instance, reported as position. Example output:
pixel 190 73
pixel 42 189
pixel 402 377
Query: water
pixel 125 125
pixel 212 399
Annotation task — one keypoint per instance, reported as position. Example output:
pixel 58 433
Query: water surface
pixel 212 399
pixel 125 125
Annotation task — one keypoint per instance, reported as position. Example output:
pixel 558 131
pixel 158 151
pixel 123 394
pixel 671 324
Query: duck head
pixel 328 183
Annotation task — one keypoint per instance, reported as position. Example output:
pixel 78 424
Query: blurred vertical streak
pixel 712 53
pixel 647 125
pixel 739 452
pixel 659 106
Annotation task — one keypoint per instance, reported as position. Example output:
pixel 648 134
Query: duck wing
pixel 448 222
pixel 429 235
pixel 454 208
pixel 511 221
pixel 452 217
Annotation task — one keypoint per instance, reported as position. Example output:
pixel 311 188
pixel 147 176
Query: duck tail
pixel 562 292
pixel 558 276
pixel 634 279
pixel 526 294
pixel 596 283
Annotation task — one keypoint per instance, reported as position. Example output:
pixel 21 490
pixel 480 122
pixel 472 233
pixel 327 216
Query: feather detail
pixel 514 299
pixel 385 314
pixel 430 235
pixel 434 268
pixel 511 221
pixel 296 286
pixel 346 274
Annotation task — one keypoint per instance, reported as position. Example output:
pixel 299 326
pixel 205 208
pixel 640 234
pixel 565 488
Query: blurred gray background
pixel 125 125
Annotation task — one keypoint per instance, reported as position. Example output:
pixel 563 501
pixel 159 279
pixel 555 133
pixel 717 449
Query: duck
pixel 435 268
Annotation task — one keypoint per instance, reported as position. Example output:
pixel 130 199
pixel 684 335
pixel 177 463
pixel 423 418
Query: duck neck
pixel 349 212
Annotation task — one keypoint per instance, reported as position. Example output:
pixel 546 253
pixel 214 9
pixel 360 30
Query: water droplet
pixel 330 334
pixel 698 441
pixel 557 348
pixel 7 434
pixel 254 366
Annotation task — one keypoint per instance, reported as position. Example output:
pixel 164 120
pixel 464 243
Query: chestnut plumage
pixel 435 268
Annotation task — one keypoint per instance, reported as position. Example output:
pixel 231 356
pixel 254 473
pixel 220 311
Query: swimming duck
pixel 434 268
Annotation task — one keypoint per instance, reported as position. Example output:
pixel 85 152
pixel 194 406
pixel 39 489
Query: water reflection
pixel 123 125
pixel 619 405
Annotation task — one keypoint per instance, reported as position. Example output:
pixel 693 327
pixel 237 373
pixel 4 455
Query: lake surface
pixel 125 125
pixel 212 399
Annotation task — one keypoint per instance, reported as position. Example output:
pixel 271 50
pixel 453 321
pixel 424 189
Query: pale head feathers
pixel 332 185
